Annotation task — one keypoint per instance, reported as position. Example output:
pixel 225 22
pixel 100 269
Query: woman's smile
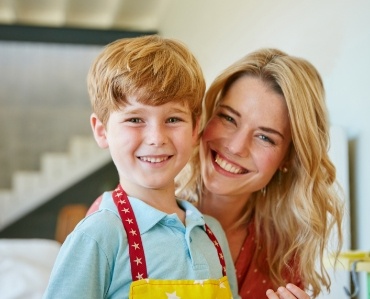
pixel 227 165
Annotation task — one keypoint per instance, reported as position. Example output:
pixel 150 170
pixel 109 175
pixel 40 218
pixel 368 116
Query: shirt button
pixel 170 221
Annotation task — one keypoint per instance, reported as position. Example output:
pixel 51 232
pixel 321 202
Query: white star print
pixel 216 243
pixel 137 260
pixel 221 256
pixel 139 276
pixel 133 232
pixel 118 194
pixel 136 246
pixel 121 201
pixel 129 220
pixel 201 282
pixel 172 296
pixel 125 210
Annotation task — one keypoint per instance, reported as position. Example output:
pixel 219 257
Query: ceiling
pixel 139 15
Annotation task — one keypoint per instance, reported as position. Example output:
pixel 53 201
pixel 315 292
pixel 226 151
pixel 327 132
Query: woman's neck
pixel 228 210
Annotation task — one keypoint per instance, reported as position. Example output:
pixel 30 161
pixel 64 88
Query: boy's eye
pixel 134 120
pixel 173 120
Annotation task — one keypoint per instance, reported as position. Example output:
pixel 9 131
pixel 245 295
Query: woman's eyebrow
pixel 272 131
pixel 230 109
pixel 266 129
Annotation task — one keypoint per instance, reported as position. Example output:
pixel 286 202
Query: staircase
pixel 58 171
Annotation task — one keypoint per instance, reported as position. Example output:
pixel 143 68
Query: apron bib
pixel 143 287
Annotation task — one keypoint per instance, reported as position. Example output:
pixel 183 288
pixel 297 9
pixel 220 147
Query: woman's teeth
pixel 228 166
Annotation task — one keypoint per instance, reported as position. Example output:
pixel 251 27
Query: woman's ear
pixel 99 131
pixel 284 168
pixel 287 161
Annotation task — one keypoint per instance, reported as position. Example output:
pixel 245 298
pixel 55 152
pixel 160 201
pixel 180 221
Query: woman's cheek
pixel 213 128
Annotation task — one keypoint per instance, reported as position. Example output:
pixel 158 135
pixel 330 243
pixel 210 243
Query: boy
pixel 142 242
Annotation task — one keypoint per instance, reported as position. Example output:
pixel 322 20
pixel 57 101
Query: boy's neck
pixel 161 199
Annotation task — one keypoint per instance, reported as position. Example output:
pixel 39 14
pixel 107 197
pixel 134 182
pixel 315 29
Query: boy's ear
pixel 99 131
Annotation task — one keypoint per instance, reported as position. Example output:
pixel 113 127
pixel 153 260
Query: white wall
pixel 333 34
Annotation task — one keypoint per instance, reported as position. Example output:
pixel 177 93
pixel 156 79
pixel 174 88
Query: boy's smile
pixel 154 159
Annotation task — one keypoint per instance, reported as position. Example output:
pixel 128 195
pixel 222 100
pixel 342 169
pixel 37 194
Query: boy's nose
pixel 157 136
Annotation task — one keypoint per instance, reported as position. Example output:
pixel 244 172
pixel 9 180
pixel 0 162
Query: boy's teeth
pixel 153 160
pixel 227 166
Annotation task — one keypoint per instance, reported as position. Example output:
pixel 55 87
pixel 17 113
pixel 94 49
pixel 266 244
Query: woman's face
pixel 246 140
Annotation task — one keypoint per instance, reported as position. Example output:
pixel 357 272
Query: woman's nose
pixel 238 144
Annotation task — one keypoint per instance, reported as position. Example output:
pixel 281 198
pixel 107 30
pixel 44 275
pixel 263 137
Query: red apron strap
pixel 136 250
pixel 218 248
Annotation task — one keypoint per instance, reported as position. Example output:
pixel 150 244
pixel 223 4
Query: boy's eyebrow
pixel 130 109
pixel 183 109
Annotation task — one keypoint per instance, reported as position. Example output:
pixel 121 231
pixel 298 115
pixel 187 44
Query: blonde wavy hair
pixel 156 70
pixel 300 208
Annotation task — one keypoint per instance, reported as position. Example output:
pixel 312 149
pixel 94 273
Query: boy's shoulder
pixel 212 222
pixel 104 201
pixel 101 219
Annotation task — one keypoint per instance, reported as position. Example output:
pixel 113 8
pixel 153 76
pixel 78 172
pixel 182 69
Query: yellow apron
pixel 184 289
pixel 143 287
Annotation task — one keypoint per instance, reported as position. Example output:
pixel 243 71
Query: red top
pixel 253 278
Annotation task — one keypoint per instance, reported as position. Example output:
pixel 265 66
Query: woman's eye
pixel 266 139
pixel 226 117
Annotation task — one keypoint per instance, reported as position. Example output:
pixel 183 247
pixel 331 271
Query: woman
pixel 262 169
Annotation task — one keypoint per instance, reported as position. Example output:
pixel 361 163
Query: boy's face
pixel 148 144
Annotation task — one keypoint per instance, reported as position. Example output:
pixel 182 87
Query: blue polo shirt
pixel 94 260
